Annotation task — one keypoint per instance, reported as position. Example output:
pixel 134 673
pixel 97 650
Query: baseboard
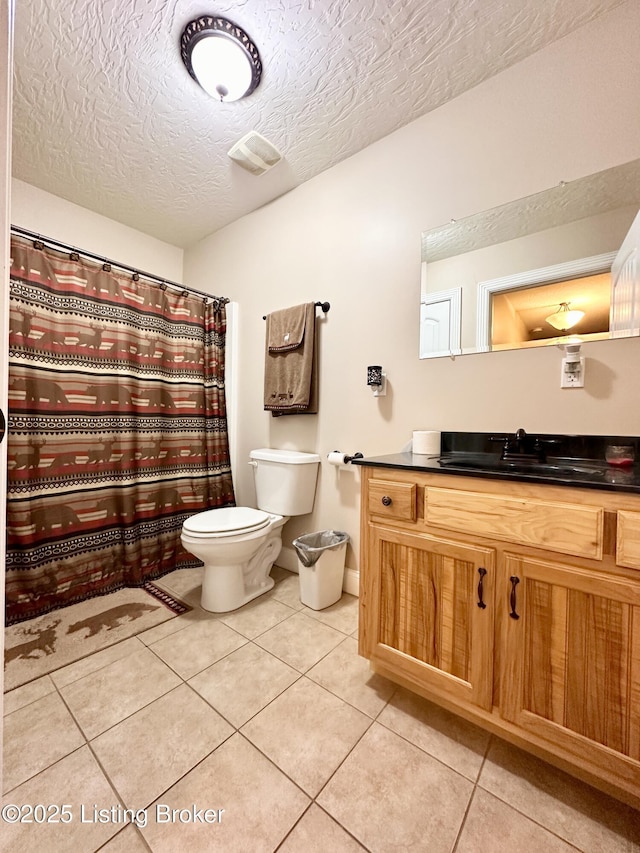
pixel 288 559
pixel 351 582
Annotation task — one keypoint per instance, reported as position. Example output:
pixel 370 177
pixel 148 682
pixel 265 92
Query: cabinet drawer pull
pixel 386 500
pixel 512 598
pixel 481 604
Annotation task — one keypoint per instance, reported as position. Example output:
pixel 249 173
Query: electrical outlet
pixel 572 375
pixel 381 390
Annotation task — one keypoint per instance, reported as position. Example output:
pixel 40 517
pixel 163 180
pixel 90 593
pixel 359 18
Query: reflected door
pixel 625 286
pixel 440 323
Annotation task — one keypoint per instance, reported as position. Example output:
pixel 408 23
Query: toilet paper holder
pixel 345 457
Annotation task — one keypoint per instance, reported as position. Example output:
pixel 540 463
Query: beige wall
pixel 352 236
pixel 54 217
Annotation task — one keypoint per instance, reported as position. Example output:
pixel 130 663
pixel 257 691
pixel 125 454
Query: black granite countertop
pixel 580 462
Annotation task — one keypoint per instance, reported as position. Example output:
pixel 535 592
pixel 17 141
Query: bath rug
pixel 46 643
pixel 175 605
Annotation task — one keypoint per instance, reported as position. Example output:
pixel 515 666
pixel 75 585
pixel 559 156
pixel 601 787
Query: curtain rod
pixel 23 232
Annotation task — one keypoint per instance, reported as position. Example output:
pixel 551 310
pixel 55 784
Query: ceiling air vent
pixel 255 153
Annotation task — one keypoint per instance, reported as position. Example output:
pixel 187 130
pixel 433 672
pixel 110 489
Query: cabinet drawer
pixel 551 525
pixel 392 500
pixel 628 544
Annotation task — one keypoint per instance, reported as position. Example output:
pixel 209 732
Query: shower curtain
pixel 117 427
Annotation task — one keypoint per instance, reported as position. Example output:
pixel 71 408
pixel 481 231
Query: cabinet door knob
pixel 481 604
pixel 386 500
pixel 512 598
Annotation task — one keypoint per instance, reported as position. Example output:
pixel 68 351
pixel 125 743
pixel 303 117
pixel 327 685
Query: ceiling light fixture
pixel 564 319
pixel 221 58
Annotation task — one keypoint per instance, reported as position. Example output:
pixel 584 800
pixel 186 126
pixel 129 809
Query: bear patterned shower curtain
pixel 117 427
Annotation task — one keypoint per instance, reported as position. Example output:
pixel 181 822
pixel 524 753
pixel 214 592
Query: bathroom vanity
pixel 510 594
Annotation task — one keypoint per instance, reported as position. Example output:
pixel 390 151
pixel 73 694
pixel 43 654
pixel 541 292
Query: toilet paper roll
pixel 336 458
pixel 426 442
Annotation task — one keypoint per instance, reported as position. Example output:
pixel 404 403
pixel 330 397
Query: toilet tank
pixel 285 480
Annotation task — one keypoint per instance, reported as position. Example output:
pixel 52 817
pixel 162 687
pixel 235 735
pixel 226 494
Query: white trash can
pixel 321 558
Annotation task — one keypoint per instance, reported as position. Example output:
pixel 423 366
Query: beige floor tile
pixel 287 591
pixel 98 660
pixel 192 597
pixel 392 796
pixel 300 641
pixel 104 698
pixel 347 675
pixel 260 804
pixel 567 807
pixel 127 840
pixel 452 740
pixel 168 738
pixel 198 646
pixel 182 581
pixel 243 683
pixel 28 693
pixel 317 833
pixel 172 626
pixel 279 574
pixel 343 615
pixel 307 732
pixel 257 617
pixel 35 737
pixel 77 781
pixel 493 827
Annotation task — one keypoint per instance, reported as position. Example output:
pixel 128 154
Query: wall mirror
pixel 556 266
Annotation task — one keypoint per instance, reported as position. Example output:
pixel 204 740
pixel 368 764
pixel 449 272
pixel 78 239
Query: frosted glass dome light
pixel 221 58
pixel 564 319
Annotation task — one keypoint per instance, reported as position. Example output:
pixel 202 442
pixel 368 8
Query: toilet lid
pixel 231 520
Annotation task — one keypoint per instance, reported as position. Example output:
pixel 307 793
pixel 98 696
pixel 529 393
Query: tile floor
pixel 269 714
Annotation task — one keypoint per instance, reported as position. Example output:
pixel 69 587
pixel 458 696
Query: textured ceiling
pixel 106 115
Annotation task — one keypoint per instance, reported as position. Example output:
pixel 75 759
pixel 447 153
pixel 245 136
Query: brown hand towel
pixel 289 376
pixel 285 329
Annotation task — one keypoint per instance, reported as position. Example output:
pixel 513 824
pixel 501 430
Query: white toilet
pixel 239 545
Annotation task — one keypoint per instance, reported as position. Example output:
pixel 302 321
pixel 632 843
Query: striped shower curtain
pixel 117 427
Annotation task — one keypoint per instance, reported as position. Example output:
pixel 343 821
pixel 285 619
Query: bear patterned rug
pixel 41 645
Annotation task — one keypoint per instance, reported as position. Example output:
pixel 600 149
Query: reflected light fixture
pixel 221 57
pixel 564 319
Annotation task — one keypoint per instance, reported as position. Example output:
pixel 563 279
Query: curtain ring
pixel 106 267
pixel 135 276
pixel 74 256
pixel 38 244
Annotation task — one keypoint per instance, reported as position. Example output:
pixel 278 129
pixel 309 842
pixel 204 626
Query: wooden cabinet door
pixel 572 660
pixel 421 613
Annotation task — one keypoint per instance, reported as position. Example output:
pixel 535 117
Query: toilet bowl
pixel 239 545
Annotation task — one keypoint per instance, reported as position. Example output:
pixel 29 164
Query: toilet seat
pixel 226 521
